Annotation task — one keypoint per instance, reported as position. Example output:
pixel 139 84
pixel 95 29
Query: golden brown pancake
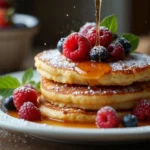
pixel 93 98
pixel 54 66
pixel 69 114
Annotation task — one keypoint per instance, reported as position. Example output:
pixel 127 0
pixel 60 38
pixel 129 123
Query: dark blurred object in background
pixel 16 37
pixel 140 22
pixel 58 18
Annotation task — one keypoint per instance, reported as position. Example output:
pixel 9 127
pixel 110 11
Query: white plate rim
pixel 71 134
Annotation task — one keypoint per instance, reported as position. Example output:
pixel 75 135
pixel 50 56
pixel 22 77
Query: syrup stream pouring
pixel 98 4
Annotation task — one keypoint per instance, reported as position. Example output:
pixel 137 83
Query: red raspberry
pixel 142 110
pixel 85 28
pixel 76 47
pixel 105 37
pixel 4 4
pixel 28 111
pixel 107 118
pixel 116 51
pixel 3 21
pixel 24 94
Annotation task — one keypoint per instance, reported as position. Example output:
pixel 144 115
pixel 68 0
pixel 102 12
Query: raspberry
pixel 107 118
pixel 85 28
pixel 105 37
pixel 3 4
pixel 28 111
pixel 76 47
pixel 142 110
pixel 3 21
pixel 24 94
pixel 116 51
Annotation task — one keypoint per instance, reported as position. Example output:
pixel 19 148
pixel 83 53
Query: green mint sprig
pixel 111 23
pixel 9 83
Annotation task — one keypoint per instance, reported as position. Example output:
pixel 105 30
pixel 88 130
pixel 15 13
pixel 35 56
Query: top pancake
pixel 54 66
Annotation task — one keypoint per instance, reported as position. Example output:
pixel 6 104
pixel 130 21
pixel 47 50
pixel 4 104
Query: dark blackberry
pixel 60 44
pixel 9 104
pixel 130 121
pixel 126 44
pixel 98 53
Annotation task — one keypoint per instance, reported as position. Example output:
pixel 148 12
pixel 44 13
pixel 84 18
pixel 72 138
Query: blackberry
pixel 126 44
pixel 9 104
pixel 130 121
pixel 60 44
pixel 98 53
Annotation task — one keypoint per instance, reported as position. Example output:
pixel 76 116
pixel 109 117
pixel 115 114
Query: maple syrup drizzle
pixel 98 10
pixel 51 122
pixel 92 71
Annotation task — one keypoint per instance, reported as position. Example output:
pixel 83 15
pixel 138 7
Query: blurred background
pixel 56 19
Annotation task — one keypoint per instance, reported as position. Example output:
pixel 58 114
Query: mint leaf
pixel 111 23
pixel 133 39
pixel 38 86
pixel 7 85
pixel 27 76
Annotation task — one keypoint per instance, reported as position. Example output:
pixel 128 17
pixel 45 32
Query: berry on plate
pixel 116 51
pixel 4 4
pixel 24 94
pixel 3 21
pixel 60 44
pixel 126 44
pixel 28 111
pixel 98 53
pixel 142 110
pixel 76 47
pixel 86 27
pixel 9 104
pixel 105 37
pixel 130 120
pixel 107 118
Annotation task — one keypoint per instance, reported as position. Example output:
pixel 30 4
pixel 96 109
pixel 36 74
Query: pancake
pixel 54 66
pixel 95 97
pixel 69 114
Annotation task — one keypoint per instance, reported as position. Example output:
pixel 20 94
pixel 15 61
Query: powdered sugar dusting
pixel 135 60
pixel 95 90
pixel 55 59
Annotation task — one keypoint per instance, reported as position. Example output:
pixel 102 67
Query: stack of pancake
pixel 74 92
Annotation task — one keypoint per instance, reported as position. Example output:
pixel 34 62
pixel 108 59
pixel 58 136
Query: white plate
pixel 73 135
